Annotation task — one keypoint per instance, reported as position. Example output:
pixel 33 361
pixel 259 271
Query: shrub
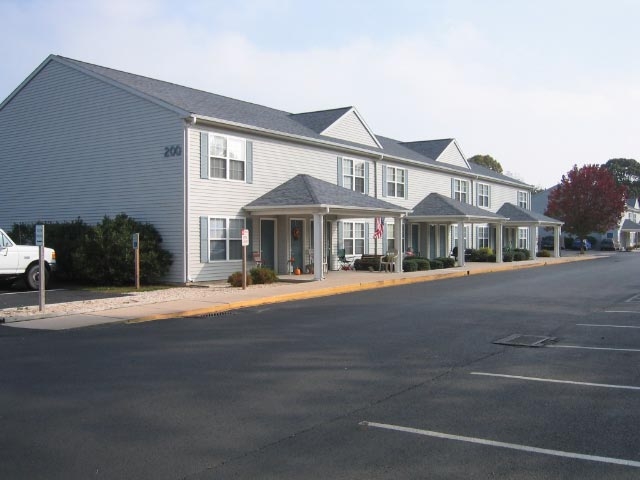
pixel 523 251
pixel 492 258
pixel 507 257
pixel 410 265
pixel 543 253
pixel 447 262
pixel 422 264
pixel 436 264
pixel 481 254
pixel 235 279
pixel 263 275
pixel 105 257
pixel 519 256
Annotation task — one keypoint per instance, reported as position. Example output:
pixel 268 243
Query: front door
pixel 297 242
pixel 268 242
pixel 415 238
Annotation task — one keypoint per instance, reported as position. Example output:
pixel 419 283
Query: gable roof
pixel 429 148
pixel 520 216
pixel 306 193
pixel 437 207
pixel 198 104
pixel 629 226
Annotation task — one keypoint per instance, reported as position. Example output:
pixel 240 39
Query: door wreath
pixel 295 233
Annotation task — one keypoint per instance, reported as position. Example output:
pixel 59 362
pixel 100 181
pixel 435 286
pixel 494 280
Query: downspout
pixel 189 121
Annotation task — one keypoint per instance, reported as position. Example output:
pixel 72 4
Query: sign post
pixel 135 239
pixel 41 269
pixel 245 242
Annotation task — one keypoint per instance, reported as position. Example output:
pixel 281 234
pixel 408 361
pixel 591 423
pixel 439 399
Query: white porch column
pixel 556 241
pixel 318 249
pixel 533 241
pixel 397 240
pixel 499 242
pixel 461 244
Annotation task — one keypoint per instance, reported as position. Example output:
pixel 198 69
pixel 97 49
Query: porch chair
pixel 388 261
pixel 257 259
pixel 345 263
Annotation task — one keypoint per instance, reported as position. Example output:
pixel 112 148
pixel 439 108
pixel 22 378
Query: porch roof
pixel 630 226
pixel 521 216
pixel 304 194
pixel 437 208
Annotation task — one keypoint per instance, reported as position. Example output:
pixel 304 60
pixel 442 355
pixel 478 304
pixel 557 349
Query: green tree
pixel 626 172
pixel 487 161
pixel 588 199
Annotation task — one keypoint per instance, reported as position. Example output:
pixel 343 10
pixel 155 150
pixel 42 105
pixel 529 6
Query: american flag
pixel 379 227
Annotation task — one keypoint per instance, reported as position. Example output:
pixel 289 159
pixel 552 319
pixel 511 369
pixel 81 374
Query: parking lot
pixel 403 382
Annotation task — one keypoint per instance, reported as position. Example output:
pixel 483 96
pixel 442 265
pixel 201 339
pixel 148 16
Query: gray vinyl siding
pixel 274 162
pixel 350 128
pixel 501 194
pixel 453 156
pixel 74 146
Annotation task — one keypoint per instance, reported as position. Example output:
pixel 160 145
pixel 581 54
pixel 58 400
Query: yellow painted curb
pixel 356 287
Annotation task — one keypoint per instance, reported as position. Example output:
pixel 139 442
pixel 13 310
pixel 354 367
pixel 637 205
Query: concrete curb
pixel 356 287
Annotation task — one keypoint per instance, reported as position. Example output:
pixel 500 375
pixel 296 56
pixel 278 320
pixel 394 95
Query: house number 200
pixel 173 151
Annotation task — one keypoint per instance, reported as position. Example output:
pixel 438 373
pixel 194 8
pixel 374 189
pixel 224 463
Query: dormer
pixel 445 150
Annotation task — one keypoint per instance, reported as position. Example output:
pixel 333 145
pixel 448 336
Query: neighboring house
pixel 81 140
pixel 626 233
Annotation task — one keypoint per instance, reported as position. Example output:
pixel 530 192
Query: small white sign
pixel 245 237
pixel 135 240
pixel 39 235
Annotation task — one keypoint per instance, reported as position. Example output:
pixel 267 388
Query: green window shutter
pixel 340 232
pixel 248 174
pixel 406 183
pixel 489 206
pixel 204 155
pixel 384 180
pixel 204 239
pixel 384 238
pixel 340 178
pixel 453 188
pixel 366 178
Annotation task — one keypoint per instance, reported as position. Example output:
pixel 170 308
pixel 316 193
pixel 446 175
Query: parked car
pixel 609 244
pixel 578 244
pixel 546 243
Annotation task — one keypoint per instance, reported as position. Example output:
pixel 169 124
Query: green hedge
pixel 102 254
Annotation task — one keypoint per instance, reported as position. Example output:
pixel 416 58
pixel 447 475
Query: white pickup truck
pixel 23 261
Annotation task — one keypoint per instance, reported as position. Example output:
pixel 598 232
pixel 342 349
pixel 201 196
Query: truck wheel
pixel 33 277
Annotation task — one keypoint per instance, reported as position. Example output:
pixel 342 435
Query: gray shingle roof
pixel 307 191
pixel 437 205
pixel 308 125
pixel 630 226
pixel 429 148
pixel 520 215
pixel 321 120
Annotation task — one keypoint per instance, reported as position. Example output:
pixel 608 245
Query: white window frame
pixel 523 199
pixel 459 193
pixel 523 237
pixel 227 156
pixel 394 184
pixel 484 192
pixel 482 237
pixel 352 171
pixel 391 236
pixel 353 238
pixel 226 237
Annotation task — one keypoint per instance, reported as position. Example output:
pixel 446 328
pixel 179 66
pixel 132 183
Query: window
pixel 353 238
pixel 225 238
pixel 523 200
pixel 523 236
pixel 454 236
pixel 396 182
pixel 391 236
pixel 483 237
pixel 227 157
pixel 483 195
pixel 353 173
pixel 4 241
pixel 460 190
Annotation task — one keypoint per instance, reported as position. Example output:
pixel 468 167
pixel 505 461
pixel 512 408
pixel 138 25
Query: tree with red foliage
pixel 588 199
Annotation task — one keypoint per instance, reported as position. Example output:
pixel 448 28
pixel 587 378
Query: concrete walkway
pixel 288 289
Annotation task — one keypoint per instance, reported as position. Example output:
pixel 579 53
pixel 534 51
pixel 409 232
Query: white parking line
pixel 511 446
pixel 611 326
pixel 595 348
pixel 620 311
pixel 551 380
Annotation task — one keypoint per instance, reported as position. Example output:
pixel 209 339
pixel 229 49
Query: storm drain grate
pixel 217 314
pixel 518 340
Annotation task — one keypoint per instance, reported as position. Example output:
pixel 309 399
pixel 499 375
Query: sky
pixel 539 85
